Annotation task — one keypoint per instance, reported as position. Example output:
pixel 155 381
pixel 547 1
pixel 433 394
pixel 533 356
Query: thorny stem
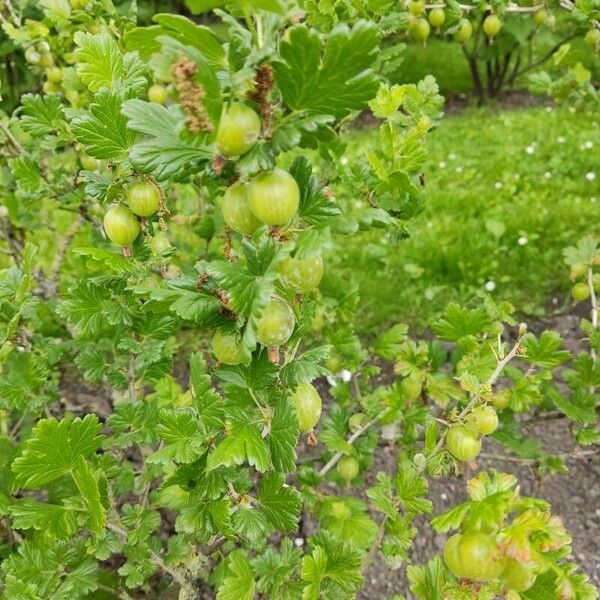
pixel 60 254
pixel 490 382
pixel 11 139
pixel 356 385
pixel 131 376
pixel 553 416
pixel 594 299
pixel 248 20
pixel 512 8
pixel 13 13
pixel 532 461
pixel 338 455
pixel 374 547
pixel 122 594
pixel 259 30
pixel 258 403
pixel 157 560
pixel 500 366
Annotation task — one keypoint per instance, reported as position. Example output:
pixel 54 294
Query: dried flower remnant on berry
pixel 191 95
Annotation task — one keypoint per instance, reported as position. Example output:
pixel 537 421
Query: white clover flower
pixel 560 139
pixel 547 174
pixel 345 375
pixel 298 542
pixel 522 241
pixel 490 285
pixel 344 160
pixel 549 109
pixel 429 224
pixel 593 199
pixel 442 164
pixel 451 156
pixel 498 185
pixel 530 150
pixel 587 145
pixel 459 169
pixel 590 175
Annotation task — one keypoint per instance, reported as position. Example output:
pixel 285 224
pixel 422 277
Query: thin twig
pixel 545 57
pixel 338 455
pixel 533 461
pixel 374 547
pixel 490 382
pixel 122 594
pixel 547 417
pixel 157 560
pixel 13 13
pixel 511 8
pixel 59 257
pixel 11 139
pixel 500 366
pixel 131 376
pixel 594 299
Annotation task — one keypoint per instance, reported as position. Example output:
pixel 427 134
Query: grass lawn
pixel 506 192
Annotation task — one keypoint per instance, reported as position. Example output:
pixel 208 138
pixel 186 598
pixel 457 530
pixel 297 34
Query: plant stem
pixel 122 594
pixel 338 455
pixel 249 22
pixel 594 299
pixel 509 9
pixel 131 376
pixel 532 461
pixel 490 382
pixel 11 139
pixel 374 547
pixel 157 560
pixel 500 366
pixel 59 256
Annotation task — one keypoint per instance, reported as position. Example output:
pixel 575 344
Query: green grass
pixel 442 59
pixel 485 192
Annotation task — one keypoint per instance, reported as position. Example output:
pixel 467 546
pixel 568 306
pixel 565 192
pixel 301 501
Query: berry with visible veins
pixel 462 443
pixel 121 225
pixel 238 131
pixel 348 468
pixel 157 93
pixel 301 275
pixel 491 26
pixel 437 16
pixel 235 209
pixel 274 197
pixel 464 32
pixel 308 405
pixel 484 419
pixel 227 348
pixel 143 198
pixel 276 324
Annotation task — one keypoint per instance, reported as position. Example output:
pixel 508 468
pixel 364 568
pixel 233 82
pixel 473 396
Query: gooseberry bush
pixel 503 42
pixel 171 194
